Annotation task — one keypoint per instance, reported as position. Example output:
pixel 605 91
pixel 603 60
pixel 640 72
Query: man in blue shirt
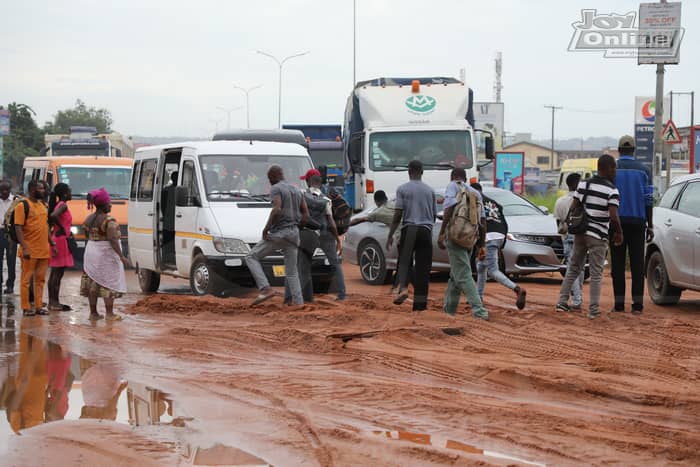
pixel 634 183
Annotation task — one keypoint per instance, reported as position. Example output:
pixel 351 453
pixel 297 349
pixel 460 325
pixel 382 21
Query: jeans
pixel 8 248
pixel 308 242
pixel 286 240
pixel 461 282
pixel 329 247
pixel 577 288
pixel 489 267
pixel 634 242
pixel 597 251
pixel 416 242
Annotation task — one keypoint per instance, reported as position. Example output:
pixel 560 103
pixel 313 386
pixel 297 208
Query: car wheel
pixel 372 263
pixel 203 279
pixel 149 281
pixel 660 289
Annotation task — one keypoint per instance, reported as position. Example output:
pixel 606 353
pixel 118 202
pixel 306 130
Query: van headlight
pixel 231 246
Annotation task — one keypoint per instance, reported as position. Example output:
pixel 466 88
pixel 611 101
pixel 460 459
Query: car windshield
pixel 438 150
pixel 235 177
pixel 82 179
pixel 514 205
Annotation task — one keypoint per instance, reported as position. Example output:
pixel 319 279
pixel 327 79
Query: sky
pixel 162 67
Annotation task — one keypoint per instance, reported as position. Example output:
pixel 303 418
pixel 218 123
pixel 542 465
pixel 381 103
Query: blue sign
pixel 509 168
pixel 695 150
pixel 4 122
pixel 644 145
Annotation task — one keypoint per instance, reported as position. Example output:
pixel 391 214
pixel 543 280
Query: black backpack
pixel 342 212
pixel 9 221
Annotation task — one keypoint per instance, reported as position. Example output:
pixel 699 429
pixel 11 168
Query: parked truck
pixel 326 150
pixel 391 121
pixel 86 141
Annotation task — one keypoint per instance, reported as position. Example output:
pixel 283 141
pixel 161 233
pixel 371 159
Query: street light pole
pixel 228 111
pixel 247 100
pixel 280 64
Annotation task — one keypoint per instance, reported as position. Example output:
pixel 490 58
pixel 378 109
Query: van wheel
pixel 203 279
pixel 149 281
pixel 660 289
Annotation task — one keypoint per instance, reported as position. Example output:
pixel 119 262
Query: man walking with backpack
pixel 633 181
pixel 487 264
pixel 462 230
pixel 593 210
pixel 416 211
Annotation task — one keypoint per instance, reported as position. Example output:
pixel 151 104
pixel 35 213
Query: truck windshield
pixel 438 150
pixel 83 179
pixel 332 158
pixel 236 177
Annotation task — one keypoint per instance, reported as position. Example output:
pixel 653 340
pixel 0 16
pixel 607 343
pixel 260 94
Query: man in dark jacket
pixel 634 183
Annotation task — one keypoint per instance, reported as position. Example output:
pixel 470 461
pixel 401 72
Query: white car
pixel 673 256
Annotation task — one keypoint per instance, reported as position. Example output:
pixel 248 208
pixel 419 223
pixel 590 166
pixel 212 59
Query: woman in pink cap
pixel 104 262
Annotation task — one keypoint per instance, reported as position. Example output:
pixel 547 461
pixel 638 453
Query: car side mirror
pixel 544 209
pixel 488 148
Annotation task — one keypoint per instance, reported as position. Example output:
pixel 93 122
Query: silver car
pixel 533 244
pixel 673 256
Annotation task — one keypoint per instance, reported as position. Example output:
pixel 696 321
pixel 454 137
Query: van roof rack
pixel 275 136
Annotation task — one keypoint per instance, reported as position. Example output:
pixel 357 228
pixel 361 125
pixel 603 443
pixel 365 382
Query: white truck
pixel 391 121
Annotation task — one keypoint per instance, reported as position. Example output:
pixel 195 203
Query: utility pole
pixel 554 108
pixel 280 64
pixel 247 100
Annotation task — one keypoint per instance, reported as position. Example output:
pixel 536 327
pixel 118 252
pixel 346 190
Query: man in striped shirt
pixel 601 201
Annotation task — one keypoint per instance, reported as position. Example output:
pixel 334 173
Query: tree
pixel 26 139
pixel 80 115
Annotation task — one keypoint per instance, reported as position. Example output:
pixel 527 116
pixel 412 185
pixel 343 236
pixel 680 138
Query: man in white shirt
pixel 8 248
pixel 561 210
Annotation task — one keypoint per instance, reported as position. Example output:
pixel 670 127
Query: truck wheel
pixel 149 281
pixel 372 263
pixel 660 289
pixel 203 278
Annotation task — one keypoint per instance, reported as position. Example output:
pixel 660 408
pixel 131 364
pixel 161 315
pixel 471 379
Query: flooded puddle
pixel 43 382
pixel 446 443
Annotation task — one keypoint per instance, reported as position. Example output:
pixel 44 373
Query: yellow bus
pixel 585 167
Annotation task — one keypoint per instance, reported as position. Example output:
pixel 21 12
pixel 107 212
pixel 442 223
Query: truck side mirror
pixel 488 147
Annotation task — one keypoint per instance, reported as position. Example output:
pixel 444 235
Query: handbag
pixel 577 217
pixel 72 244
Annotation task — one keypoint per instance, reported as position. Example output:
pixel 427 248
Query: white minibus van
pixel 197 208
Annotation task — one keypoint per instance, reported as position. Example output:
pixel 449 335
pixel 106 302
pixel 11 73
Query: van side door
pixel 188 205
pixel 142 214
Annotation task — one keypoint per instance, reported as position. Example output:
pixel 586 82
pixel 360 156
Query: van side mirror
pixel 183 198
pixel 488 147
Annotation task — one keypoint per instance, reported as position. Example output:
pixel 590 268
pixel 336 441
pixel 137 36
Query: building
pixel 535 155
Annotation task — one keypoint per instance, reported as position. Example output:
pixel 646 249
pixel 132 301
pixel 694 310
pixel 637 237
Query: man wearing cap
pixel 320 209
pixel 634 183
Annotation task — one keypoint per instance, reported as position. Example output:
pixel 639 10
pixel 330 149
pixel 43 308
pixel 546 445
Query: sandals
pixel 41 312
pixel 28 313
pixel 96 317
pixel 264 297
pixel 114 318
pixel 401 297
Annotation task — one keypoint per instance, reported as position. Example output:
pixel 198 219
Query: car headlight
pixel 318 252
pixel 232 246
pixel 74 230
pixel 538 239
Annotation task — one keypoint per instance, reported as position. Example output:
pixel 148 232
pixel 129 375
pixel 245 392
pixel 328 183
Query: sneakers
pixel 593 314
pixel 562 307
pixel 520 301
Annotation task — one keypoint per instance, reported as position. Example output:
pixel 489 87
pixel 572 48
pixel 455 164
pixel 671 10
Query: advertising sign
pixel 695 150
pixel 509 171
pixel 645 108
pixel 489 116
pixel 4 122
pixel 660 33
pixel 644 144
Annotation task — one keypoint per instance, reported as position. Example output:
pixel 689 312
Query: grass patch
pixel 548 200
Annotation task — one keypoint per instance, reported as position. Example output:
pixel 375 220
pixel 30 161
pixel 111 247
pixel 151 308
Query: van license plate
pixel 278 271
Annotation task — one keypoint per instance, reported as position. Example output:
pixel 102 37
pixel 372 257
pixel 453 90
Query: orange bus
pixel 83 174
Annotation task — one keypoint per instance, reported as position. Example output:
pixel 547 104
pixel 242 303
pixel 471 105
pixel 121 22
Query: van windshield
pixel 438 150
pixel 82 179
pixel 235 177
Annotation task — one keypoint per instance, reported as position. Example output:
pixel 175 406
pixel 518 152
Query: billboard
pixel 489 116
pixel 660 33
pixel 509 171
pixel 695 150
pixel 644 144
pixel 4 122
pixel 645 108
